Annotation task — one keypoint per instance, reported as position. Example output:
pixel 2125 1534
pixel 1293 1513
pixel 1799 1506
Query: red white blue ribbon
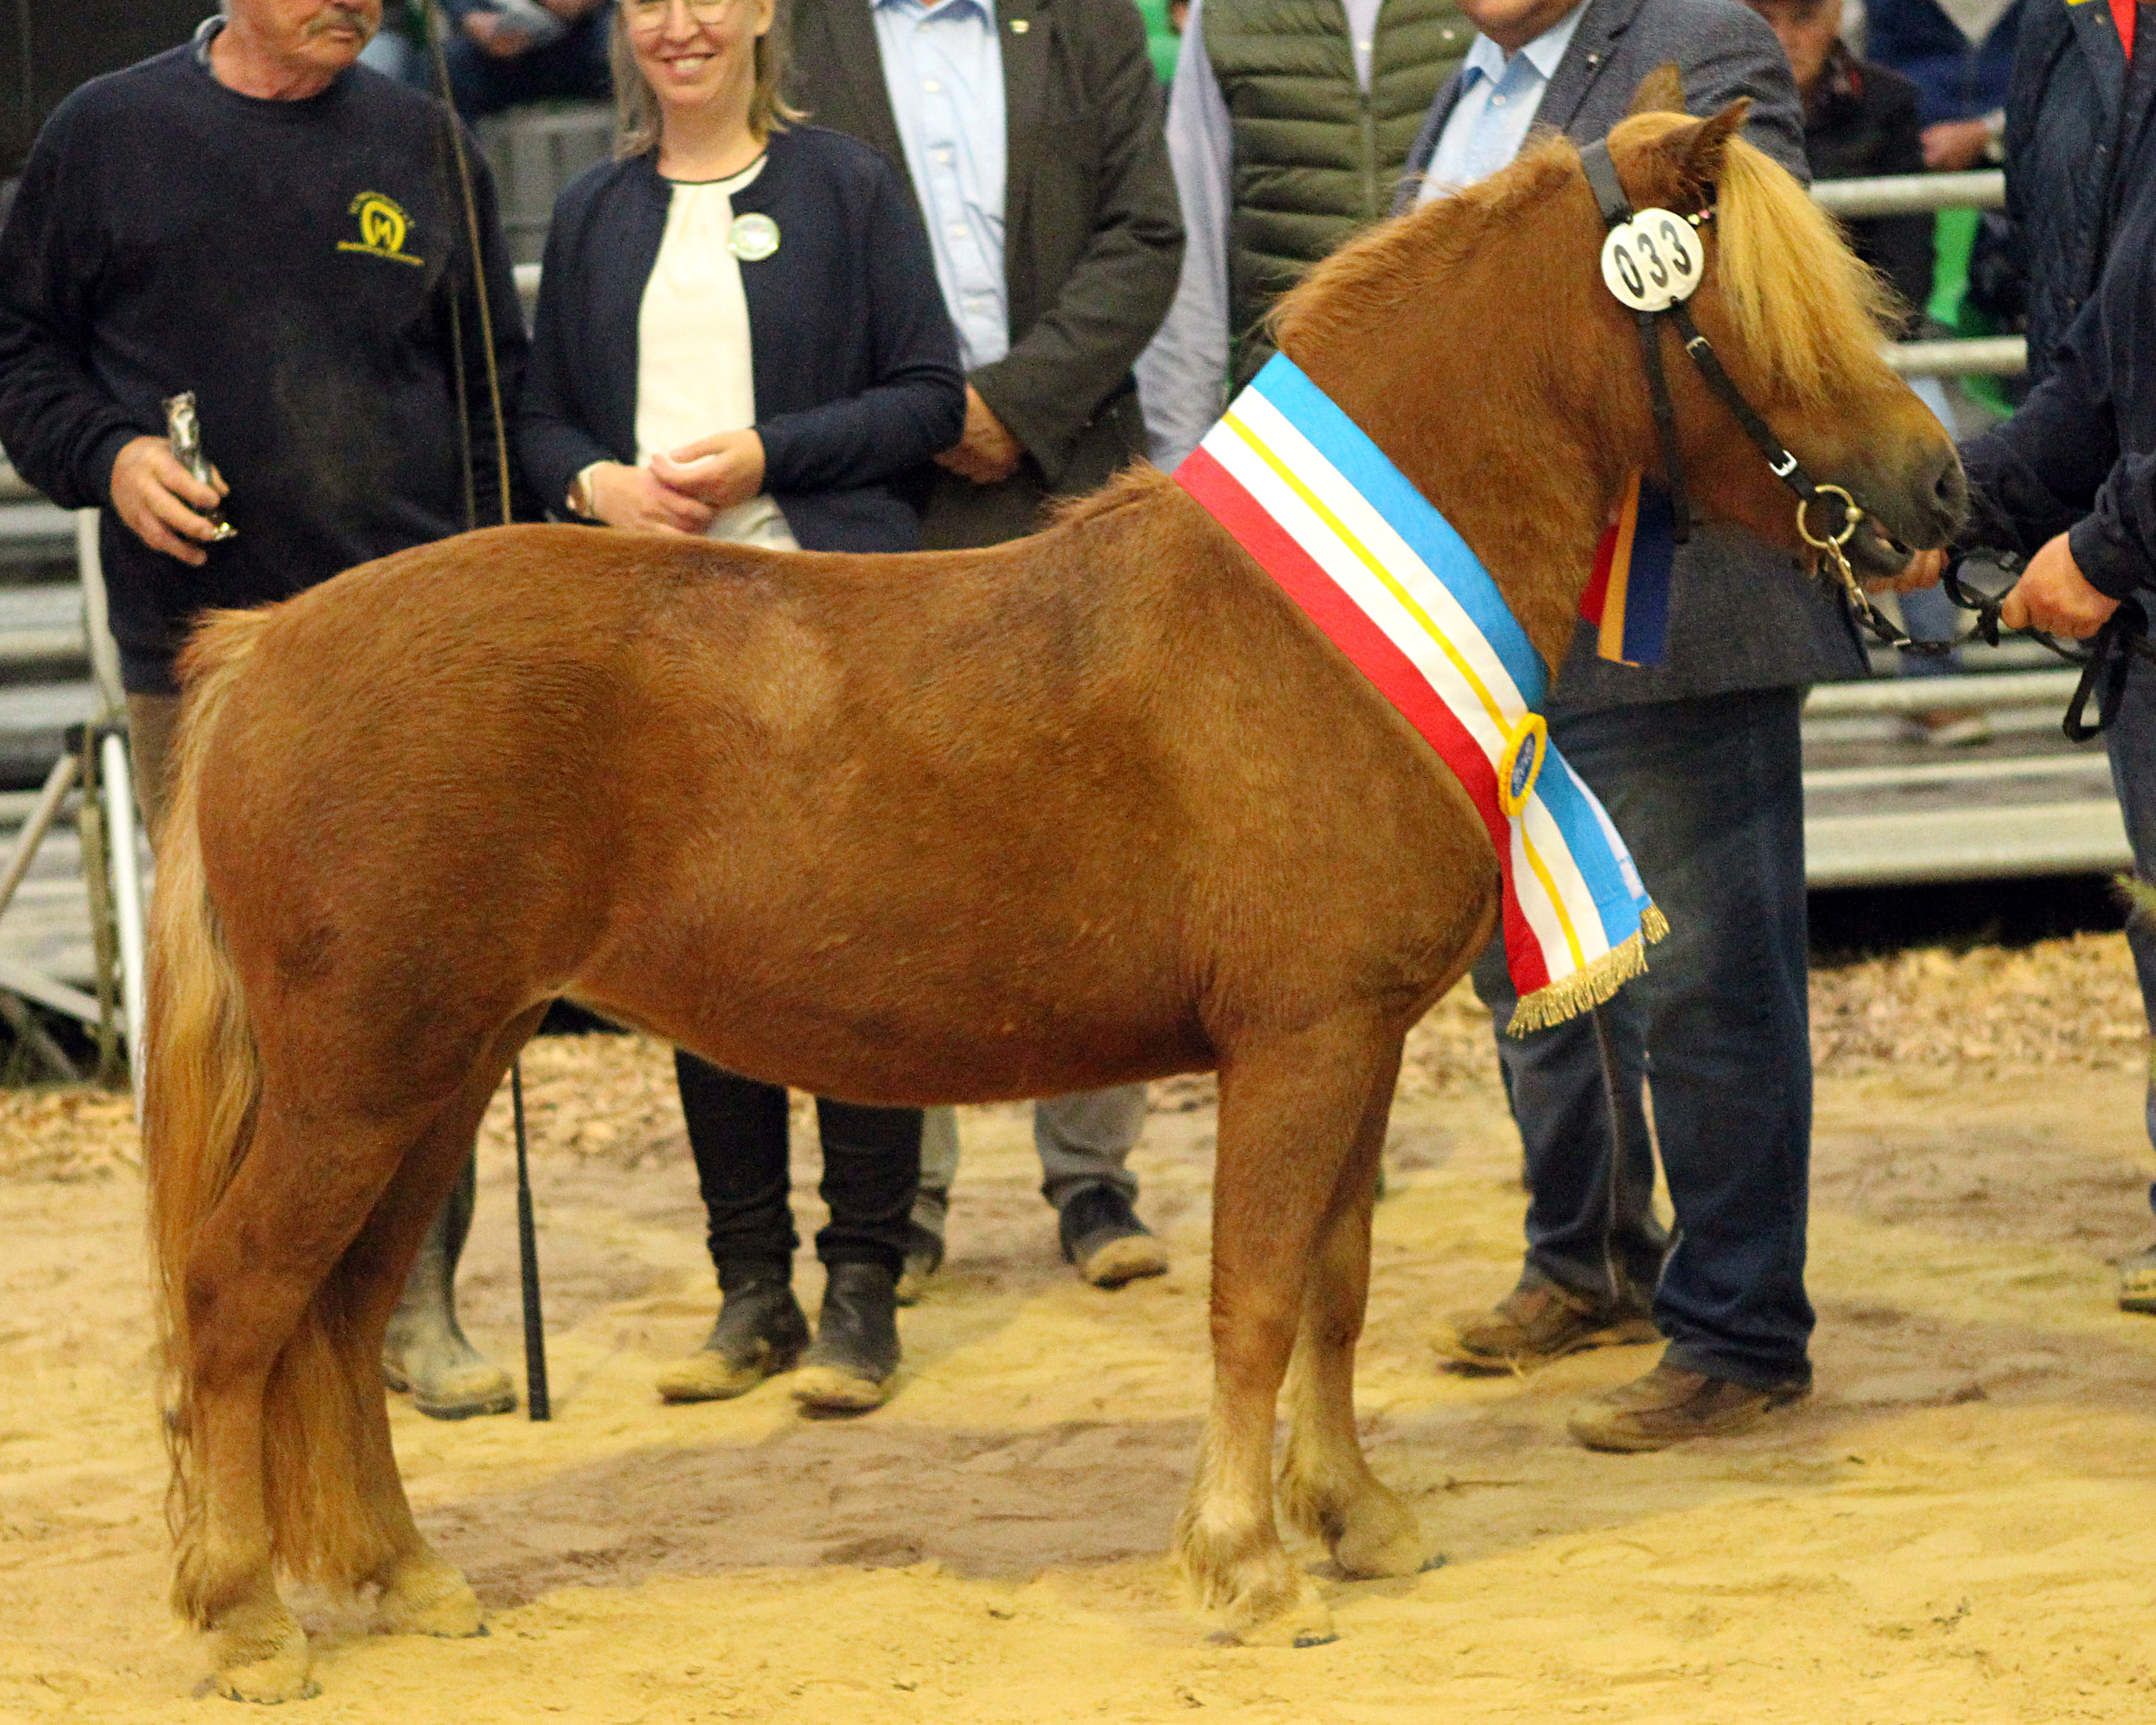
pixel 1384 577
pixel 1628 597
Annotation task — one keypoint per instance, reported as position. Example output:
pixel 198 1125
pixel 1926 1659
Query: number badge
pixel 1652 261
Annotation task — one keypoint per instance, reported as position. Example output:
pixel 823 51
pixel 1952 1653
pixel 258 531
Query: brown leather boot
pixel 1671 1404
pixel 1536 1323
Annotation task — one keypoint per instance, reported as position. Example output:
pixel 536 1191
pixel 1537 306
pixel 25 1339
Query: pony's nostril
pixel 1950 490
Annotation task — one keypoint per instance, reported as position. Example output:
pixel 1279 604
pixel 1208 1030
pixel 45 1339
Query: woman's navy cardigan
pixel 856 368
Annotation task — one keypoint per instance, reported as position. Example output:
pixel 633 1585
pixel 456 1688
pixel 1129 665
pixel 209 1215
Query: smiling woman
pixel 739 337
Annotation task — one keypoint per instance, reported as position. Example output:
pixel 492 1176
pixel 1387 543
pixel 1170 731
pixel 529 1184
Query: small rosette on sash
pixel 1388 582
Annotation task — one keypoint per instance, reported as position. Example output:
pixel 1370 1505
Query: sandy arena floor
pixel 1955 1528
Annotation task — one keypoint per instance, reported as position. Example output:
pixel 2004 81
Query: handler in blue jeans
pixel 1698 763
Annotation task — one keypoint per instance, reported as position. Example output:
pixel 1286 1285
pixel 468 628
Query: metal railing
pixel 1911 194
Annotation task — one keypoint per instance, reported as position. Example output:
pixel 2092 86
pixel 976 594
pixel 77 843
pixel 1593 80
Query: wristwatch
pixel 579 499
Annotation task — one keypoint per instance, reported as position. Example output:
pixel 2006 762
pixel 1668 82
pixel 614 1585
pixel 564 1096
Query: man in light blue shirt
pixel 1030 131
pixel 943 68
pixel 1501 83
pixel 1699 762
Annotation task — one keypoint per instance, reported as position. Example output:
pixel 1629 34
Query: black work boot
pixel 1103 1238
pixel 761 1330
pixel 924 1257
pixel 850 1368
pixel 425 1350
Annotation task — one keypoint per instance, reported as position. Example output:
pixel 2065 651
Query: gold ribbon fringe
pixel 1572 995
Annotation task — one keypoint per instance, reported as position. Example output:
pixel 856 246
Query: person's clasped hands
pixel 680 490
pixel 162 501
pixel 504 33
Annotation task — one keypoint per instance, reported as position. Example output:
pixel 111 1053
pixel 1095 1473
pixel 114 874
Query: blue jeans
pixel 2131 743
pixel 1709 794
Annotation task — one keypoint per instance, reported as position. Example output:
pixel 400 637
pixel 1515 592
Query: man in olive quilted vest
pixel 1288 124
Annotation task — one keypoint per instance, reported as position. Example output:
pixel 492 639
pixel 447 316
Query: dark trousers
pixel 737 1134
pixel 2131 742
pixel 1709 794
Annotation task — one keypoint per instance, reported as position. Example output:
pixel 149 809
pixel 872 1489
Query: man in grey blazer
pixel 1698 763
pixel 1030 133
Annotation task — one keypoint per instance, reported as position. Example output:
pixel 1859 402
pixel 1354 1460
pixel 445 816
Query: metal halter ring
pixel 1852 513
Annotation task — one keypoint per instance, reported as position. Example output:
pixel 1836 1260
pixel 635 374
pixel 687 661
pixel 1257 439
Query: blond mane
pixel 1802 308
pixel 1802 305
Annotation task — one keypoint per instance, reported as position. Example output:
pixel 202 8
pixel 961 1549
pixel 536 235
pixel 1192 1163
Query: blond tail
pixel 202 1086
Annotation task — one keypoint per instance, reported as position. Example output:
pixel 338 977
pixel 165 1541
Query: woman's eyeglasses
pixel 645 14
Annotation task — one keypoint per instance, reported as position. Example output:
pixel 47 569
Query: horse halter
pixel 1651 264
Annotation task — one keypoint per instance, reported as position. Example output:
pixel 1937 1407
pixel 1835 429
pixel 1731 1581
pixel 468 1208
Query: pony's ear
pixel 1662 91
pixel 1701 146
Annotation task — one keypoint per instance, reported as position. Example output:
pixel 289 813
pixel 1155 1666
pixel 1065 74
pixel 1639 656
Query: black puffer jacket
pixel 2074 111
pixel 2080 456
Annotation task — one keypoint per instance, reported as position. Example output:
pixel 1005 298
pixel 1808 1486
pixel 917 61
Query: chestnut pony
pixel 1094 807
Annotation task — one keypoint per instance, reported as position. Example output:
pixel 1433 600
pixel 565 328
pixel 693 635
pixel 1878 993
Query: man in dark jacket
pixel 251 218
pixel 1031 131
pixel 2077 110
pixel 2077 103
pixel 1861 120
pixel 1698 763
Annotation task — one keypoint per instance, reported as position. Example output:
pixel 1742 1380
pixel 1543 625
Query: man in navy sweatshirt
pixel 252 218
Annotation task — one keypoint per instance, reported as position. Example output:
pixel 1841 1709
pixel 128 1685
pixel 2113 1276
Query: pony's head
pixel 1475 340
pixel 1798 322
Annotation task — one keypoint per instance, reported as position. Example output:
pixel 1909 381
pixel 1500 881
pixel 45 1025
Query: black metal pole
pixel 1605 1047
pixel 537 1401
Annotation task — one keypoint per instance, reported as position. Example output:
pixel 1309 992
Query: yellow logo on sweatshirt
pixel 383 226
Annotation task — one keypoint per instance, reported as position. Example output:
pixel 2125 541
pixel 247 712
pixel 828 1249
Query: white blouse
pixel 694 372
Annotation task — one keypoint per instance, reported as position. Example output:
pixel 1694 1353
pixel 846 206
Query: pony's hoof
pixel 1383 1538
pixel 429 1598
pixel 1304 1622
pixel 262 1657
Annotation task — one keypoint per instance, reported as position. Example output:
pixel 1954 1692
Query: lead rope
pixel 537 1403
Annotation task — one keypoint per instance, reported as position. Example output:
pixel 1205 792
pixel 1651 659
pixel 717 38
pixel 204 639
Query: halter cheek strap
pixel 1616 210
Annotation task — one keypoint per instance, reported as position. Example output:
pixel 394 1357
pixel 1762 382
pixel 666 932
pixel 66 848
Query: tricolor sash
pixel 1388 582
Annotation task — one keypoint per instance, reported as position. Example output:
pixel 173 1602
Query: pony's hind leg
pixel 1325 1487
pixel 253 1388
pixel 1289 1111
pixel 422 1593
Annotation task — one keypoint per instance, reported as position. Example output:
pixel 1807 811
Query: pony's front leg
pixel 1325 1487
pixel 1290 1109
